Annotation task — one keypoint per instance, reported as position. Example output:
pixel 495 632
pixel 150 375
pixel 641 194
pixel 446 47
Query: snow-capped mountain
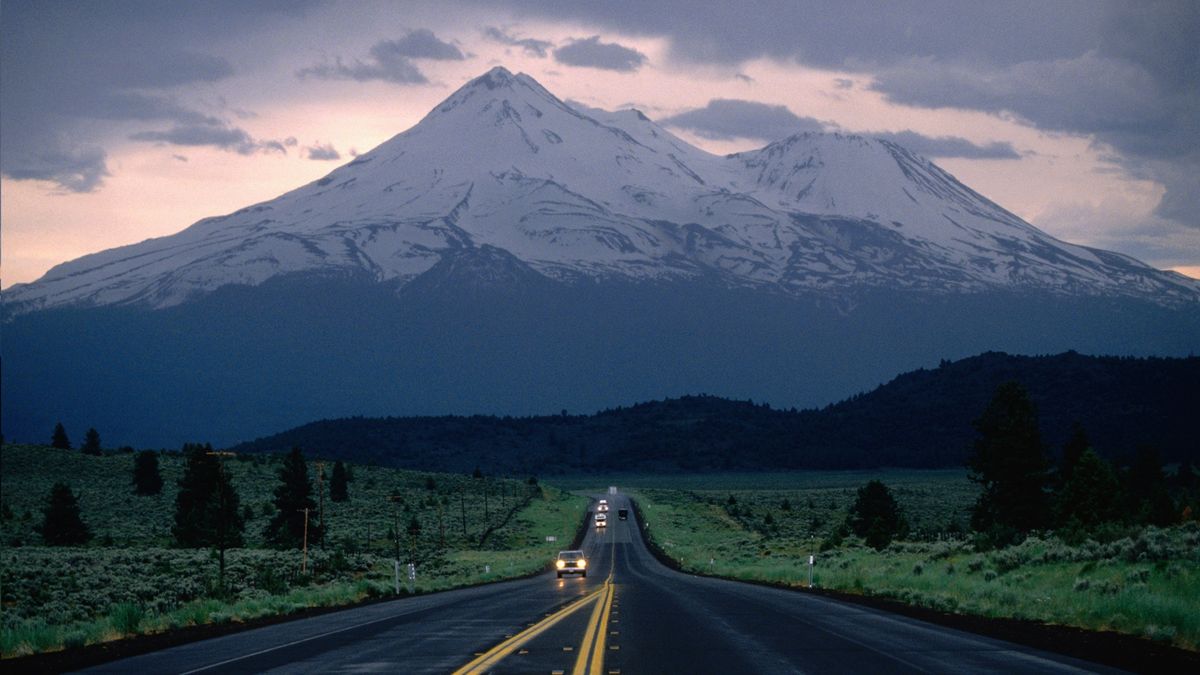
pixel 572 194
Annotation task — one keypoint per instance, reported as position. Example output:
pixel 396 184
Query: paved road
pixel 630 615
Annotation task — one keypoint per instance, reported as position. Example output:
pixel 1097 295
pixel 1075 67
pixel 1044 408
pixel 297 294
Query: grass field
pixel 1146 583
pixel 130 579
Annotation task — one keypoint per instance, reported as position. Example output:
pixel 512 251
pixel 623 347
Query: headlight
pixel 560 564
pixel 582 563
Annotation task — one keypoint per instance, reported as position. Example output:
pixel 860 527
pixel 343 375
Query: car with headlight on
pixel 602 506
pixel 570 562
pixel 601 520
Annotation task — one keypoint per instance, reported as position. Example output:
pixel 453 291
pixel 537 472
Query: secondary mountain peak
pixel 574 193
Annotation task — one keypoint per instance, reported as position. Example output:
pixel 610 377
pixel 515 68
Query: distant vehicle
pixel 601 520
pixel 570 562
pixel 602 506
pixel 623 514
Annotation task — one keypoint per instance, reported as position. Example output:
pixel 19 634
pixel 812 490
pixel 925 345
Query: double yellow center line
pixel 591 653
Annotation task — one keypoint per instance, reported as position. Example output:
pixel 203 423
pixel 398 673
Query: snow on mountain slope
pixel 575 193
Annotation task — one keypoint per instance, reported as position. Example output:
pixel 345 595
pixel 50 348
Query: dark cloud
pixel 1124 72
pixel 950 146
pixel 66 66
pixel 125 105
pixel 388 60
pixel 273 146
pixel 74 170
pixel 325 152
pixel 723 119
pixel 837 34
pixel 532 47
pixel 417 44
pixel 394 69
pixel 215 135
pixel 843 83
pixel 592 53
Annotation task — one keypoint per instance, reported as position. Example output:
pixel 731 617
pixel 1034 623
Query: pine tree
pixel 876 516
pixel 1149 501
pixel 62 525
pixel 207 507
pixel 91 443
pixel 1009 461
pixel 338 484
pixel 59 439
pixel 1072 451
pixel 146 478
pixel 292 497
pixel 1091 496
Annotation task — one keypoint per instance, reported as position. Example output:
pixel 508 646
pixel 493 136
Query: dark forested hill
pixel 919 419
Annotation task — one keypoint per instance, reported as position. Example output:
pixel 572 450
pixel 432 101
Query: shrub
pixel 126 618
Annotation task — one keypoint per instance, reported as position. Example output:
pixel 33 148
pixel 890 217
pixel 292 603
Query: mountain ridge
pixel 918 419
pixel 576 196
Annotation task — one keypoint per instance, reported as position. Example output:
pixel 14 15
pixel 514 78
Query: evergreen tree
pixel 338 483
pixel 207 507
pixel 876 516
pixel 1149 501
pixel 62 525
pixel 1008 460
pixel 292 497
pixel 146 478
pixel 91 442
pixel 1073 450
pixel 1091 496
pixel 59 439
pixel 1185 476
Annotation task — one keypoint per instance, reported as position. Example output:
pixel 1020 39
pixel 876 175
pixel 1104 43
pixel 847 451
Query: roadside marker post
pixel 811 560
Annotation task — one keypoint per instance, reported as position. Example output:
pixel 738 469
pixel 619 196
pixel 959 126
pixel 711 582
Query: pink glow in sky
pixel 341 77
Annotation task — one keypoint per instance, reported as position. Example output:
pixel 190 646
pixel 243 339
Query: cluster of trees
pixel 91 440
pixel 208 509
pixel 1023 490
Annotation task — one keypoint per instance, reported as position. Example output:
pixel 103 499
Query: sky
pixel 126 120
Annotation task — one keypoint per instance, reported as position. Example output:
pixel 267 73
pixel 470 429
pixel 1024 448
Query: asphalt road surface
pixel 630 615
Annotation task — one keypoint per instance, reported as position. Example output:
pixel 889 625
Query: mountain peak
pixel 497 82
pixel 573 192
pixel 496 77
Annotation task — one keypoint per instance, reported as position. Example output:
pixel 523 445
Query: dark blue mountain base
pixel 246 362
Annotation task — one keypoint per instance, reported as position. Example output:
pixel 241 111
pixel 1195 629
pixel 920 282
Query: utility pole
pixel 304 560
pixel 441 523
pixel 396 499
pixel 462 503
pixel 321 500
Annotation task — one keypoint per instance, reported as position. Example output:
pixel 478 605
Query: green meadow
pixel 1143 581
pixel 131 579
